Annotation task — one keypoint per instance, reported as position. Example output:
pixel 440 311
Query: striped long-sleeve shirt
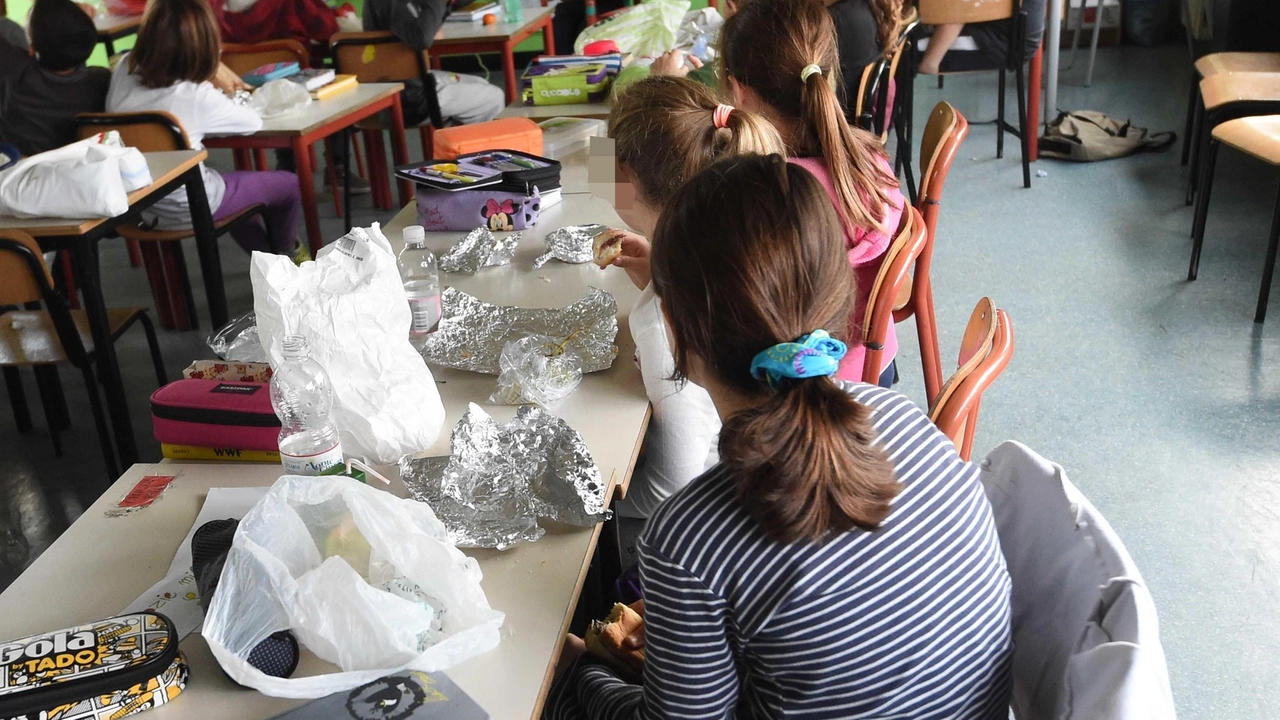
pixel 907 621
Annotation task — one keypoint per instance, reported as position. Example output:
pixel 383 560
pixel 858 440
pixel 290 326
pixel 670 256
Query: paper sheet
pixel 175 595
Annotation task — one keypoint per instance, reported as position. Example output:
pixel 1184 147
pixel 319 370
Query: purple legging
pixel 273 188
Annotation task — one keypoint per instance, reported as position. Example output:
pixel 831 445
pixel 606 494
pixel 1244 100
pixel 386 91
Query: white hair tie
pixel 809 70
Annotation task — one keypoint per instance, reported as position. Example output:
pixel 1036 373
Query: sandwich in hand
pixel 606 247
pixel 607 639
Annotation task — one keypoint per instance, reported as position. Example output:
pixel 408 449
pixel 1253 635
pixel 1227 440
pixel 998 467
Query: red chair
pixel 985 351
pixel 892 283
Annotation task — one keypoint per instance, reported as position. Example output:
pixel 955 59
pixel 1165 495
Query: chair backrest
pixel 905 30
pixel 151 131
pixel 244 57
pixel 871 105
pixel 941 12
pixel 376 56
pixel 865 107
pixel 895 273
pixel 21 269
pixel 984 353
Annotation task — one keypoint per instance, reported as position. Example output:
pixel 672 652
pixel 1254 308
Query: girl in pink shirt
pixel 781 61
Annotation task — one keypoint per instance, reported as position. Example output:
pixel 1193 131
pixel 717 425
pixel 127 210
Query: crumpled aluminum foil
pixel 241 97
pixel 472 333
pixel 500 479
pixel 571 244
pixel 480 248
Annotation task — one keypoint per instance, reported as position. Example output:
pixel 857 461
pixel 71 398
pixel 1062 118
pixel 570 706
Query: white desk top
pixel 164 166
pixel 321 112
pixel 460 32
pixel 596 111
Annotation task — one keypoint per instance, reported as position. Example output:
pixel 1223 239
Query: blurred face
pixel 630 206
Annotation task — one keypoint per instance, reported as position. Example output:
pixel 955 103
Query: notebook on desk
pixel 409 695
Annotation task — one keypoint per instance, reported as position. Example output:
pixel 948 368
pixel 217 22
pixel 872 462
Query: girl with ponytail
pixel 841 560
pixel 665 130
pixel 780 60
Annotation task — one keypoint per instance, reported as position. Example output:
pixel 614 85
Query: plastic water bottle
pixel 514 12
pixel 302 396
pixel 421 284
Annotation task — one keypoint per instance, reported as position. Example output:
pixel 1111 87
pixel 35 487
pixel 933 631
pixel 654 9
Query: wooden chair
pixel 892 284
pixel 871 111
pixel 42 338
pixel 938 12
pixel 381 57
pixel 1226 96
pixel 242 58
pixel 1259 136
pixel 1216 64
pixel 984 353
pixel 161 249
pixel 943 134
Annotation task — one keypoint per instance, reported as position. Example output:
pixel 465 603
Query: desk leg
pixel 207 247
pixel 399 149
pixel 86 263
pixel 548 38
pixel 509 69
pixel 1033 103
pixel 344 136
pixel 307 185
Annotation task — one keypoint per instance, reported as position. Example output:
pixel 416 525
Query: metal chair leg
pixel 1093 45
pixel 1022 126
pixel 1000 118
pixel 157 360
pixel 1264 293
pixel 1202 209
pixel 17 399
pixel 1192 97
pixel 1197 146
pixel 49 388
pixel 100 421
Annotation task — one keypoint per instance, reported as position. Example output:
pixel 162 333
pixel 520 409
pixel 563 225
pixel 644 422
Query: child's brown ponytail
pixel 665 130
pixel 748 255
pixel 785 51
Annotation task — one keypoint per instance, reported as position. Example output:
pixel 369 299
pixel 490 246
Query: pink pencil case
pixel 215 413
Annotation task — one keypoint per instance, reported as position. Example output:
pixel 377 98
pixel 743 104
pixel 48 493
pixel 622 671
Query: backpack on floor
pixel 1086 136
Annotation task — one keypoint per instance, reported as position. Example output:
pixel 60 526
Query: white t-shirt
pixel 681 443
pixel 202 109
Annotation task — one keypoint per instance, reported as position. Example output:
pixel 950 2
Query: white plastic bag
pixel 290 568
pixel 87 179
pixel 645 30
pixel 279 97
pixel 350 305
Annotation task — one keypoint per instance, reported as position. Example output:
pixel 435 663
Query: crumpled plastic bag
pixel 363 579
pixel 480 248
pixel 237 341
pixel 645 30
pixel 91 178
pixel 279 97
pixel 537 369
pixel 350 305
pixel 698 33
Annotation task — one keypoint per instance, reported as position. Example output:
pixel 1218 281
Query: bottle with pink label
pixel 421 284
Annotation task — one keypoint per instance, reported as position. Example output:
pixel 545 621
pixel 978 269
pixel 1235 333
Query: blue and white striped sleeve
pixel 689 668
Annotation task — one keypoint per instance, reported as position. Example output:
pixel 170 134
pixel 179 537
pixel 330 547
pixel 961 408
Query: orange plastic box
pixel 506 134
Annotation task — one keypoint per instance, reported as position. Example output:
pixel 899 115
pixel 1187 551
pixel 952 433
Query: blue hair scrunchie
pixel 814 355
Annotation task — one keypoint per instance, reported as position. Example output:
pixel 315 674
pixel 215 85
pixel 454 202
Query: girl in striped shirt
pixel 841 561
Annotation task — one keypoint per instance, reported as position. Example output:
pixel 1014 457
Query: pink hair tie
pixel 721 116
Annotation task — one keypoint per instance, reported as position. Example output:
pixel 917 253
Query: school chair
pixel 1086 634
pixel 871 105
pixel 985 350
pixel 1216 64
pixel 943 134
pixel 162 249
pixel 1226 96
pixel 242 58
pixel 939 12
pixel 1099 10
pixel 892 284
pixel 1259 136
pixel 381 57
pixel 43 338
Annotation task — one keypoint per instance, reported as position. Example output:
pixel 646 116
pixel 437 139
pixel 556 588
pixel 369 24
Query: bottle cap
pixel 415 235
pixel 296 346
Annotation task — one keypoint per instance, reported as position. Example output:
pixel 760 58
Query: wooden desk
pixel 319 120
pixel 459 38
pixel 594 111
pixel 113 27
pixel 169 171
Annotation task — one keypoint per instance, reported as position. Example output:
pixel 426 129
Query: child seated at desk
pixel 170 69
pixel 666 129
pixel 990 38
pixel 41 95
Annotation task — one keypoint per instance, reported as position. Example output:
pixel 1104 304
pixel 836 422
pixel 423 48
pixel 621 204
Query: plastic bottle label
pixel 312 464
pixel 426 314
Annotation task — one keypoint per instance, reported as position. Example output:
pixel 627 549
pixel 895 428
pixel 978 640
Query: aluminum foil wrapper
pixel 500 479
pixel 472 333
pixel 242 97
pixel 570 244
pixel 480 248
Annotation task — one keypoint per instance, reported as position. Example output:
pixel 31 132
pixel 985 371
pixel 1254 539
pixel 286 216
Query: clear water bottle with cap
pixel 302 396
pixel 421 284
